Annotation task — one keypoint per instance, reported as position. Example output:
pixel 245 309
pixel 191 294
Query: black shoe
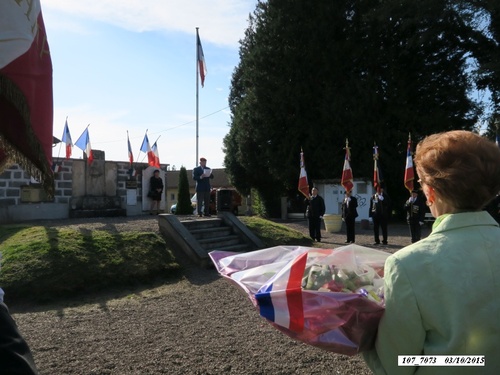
pixel 319 240
pixel 200 215
pixel 376 243
pixel 347 242
pixel 207 215
pixel 384 242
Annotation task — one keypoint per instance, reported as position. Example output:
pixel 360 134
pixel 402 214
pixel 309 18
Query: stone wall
pixel 22 199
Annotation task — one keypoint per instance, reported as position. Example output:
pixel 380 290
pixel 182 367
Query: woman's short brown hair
pixel 462 167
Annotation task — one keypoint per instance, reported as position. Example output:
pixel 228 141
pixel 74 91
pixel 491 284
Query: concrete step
pixel 218 242
pixel 202 223
pixel 200 234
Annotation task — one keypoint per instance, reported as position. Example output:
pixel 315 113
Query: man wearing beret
pixel 202 175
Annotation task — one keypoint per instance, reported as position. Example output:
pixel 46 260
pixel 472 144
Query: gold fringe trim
pixel 38 168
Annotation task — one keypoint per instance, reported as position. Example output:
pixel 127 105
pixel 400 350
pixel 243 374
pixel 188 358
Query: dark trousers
pixel 15 355
pixel 349 224
pixel 380 223
pixel 415 230
pixel 315 228
pixel 203 198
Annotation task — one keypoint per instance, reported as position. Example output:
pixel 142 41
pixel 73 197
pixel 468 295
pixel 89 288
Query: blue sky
pixel 130 65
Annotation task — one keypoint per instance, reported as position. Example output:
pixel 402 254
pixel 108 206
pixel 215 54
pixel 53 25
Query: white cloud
pixel 221 22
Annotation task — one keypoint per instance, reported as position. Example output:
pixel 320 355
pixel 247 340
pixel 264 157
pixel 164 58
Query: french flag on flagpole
pixel 286 312
pixel 346 180
pixel 156 156
pixel 146 148
pixel 83 143
pixel 409 172
pixel 130 154
pixel 66 138
pixel 202 66
pixel 303 183
pixel 376 174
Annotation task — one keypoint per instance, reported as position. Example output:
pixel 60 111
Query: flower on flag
pixel 26 100
pixel 346 180
pixel 303 183
pixel 83 143
pixel 409 172
pixel 156 156
pixel 202 66
pixel 130 154
pixel 376 175
pixel 146 148
pixel 66 138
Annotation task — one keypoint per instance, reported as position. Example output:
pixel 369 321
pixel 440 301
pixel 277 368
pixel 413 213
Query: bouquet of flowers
pixel 329 298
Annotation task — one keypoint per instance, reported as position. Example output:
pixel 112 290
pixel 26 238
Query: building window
pixel 361 188
pixel 172 197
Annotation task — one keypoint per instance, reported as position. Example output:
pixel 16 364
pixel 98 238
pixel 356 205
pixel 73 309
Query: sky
pixel 130 66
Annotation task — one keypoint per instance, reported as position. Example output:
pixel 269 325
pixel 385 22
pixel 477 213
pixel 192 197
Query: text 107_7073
pixel 441 360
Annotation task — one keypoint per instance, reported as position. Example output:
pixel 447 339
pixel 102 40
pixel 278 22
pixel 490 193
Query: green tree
pixel 312 75
pixel 183 196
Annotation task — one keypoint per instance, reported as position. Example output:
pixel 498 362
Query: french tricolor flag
pixel 286 312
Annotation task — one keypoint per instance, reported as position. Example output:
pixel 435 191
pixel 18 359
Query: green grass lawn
pixel 42 263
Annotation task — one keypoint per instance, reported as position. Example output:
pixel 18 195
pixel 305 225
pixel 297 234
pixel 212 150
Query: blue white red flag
pixel 146 148
pixel 347 180
pixel 66 138
pixel 303 183
pixel 202 66
pixel 56 167
pixel 156 156
pixel 288 312
pixel 83 143
pixel 130 154
pixel 409 171
pixel 497 140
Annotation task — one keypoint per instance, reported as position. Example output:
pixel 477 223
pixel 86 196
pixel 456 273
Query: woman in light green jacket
pixel 442 293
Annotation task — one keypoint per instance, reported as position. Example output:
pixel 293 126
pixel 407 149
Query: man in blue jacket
pixel 202 175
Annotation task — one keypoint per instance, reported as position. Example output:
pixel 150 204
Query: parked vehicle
pixel 236 201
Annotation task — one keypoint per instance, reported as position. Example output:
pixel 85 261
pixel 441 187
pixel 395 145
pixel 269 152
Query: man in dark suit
pixel 415 215
pixel 380 212
pixel 315 211
pixel 349 215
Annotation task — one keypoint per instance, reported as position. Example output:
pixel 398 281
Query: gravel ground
pixel 199 324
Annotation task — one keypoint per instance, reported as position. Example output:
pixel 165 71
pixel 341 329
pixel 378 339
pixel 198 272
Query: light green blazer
pixel 443 297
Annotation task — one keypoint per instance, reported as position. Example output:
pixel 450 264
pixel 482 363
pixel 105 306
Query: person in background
pixel 349 215
pixel 415 215
pixel 155 191
pixel 314 212
pixel 441 293
pixel 380 211
pixel 202 175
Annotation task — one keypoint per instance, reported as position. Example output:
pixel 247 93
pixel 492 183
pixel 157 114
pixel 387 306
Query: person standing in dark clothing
pixel 349 215
pixel 202 175
pixel 155 191
pixel 314 212
pixel 380 212
pixel 415 215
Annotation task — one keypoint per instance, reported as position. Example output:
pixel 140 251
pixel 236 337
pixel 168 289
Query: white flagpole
pixel 197 67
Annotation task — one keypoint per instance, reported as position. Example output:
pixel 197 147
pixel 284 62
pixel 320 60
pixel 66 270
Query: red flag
pixel 346 181
pixel 156 156
pixel 303 183
pixel 26 101
pixel 409 172
pixel 66 138
pixel 376 172
pixel 130 154
pixel 202 66
pixel 83 143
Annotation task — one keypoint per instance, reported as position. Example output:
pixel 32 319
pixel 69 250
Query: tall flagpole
pixel 197 67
